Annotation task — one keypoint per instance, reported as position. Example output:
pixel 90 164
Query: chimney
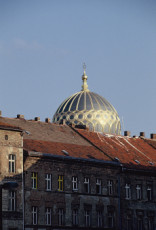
pixel 142 134
pixel 153 135
pixel 0 113
pixel 127 133
pixel 20 116
pixel 37 119
pixel 47 120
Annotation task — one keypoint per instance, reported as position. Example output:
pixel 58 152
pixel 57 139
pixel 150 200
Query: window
pixel 138 192
pixel 98 186
pixel 48 216
pixel 75 217
pixel 128 223
pixel 150 223
pixel 34 215
pixel 12 163
pixel 87 218
pixel 110 187
pixel 149 192
pixel 86 184
pixel 139 223
pixel 74 183
pixel 110 219
pixel 34 180
pixel 127 191
pixel 12 200
pixel 48 182
pixel 60 183
pixel 99 218
pixel 60 217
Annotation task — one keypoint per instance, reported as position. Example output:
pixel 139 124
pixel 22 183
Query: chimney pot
pixel 142 134
pixel 37 119
pixel 20 116
pixel 127 133
pixel 153 135
pixel 47 120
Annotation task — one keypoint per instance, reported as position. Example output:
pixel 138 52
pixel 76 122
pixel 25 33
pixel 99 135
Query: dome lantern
pixel 84 79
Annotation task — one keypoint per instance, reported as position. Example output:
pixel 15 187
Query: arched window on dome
pixel 106 128
pixel 113 128
pixel 98 127
pixel 90 125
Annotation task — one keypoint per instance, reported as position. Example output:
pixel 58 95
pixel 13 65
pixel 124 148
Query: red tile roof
pixel 9 126
pixel 132 151
pixel 55 148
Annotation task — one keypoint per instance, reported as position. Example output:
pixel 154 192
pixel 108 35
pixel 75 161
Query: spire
pixel 84 79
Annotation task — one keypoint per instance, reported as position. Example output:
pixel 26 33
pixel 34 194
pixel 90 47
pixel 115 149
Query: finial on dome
pixel 84 79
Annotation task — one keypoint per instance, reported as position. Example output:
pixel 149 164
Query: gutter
pixel 69 158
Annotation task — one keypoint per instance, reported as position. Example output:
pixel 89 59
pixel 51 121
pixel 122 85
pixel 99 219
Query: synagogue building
pixel 76 171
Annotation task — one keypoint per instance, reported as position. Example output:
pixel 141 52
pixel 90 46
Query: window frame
pixel 138 192
pixel 86 185
pixel 111 219
pixel 60 216
pixel 48 215
pixel 74 183
pixel 12 201
pixel 12 163
pixel 34 215
pixel 110 187
pixel 99 218
pixel 98 186
pixel 60 183
pixel 34 178
pixel 127 191
pixel 75 217
pixel 149 192
pixel 48 181
pixel 87 216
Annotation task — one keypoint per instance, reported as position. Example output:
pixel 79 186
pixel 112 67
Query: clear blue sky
pixel 43 45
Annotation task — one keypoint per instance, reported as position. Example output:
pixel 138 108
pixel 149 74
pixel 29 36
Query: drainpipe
pixel 23 199
pixel 119 205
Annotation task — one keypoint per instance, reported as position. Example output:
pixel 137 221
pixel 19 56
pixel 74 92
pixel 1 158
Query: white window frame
pixel 34 215
pixel 86 184
pixel 48 179
pixel 34 178
pixel 75 183
pixel 48 216
pixel 149 191
pixel 12 200
pixel 99 218
pixel 127 192
pixel 12 163
pixel 87 218
pixel 110 187
pixel 98 186
pixel 60 216
pixel 111 219
pixel 75 217
pixel 138 192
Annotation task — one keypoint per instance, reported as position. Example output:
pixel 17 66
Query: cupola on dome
pixel 90 109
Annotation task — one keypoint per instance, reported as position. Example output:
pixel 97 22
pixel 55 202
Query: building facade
pixel 71 178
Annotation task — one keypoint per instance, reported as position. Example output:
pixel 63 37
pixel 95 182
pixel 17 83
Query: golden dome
pixel 90 109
